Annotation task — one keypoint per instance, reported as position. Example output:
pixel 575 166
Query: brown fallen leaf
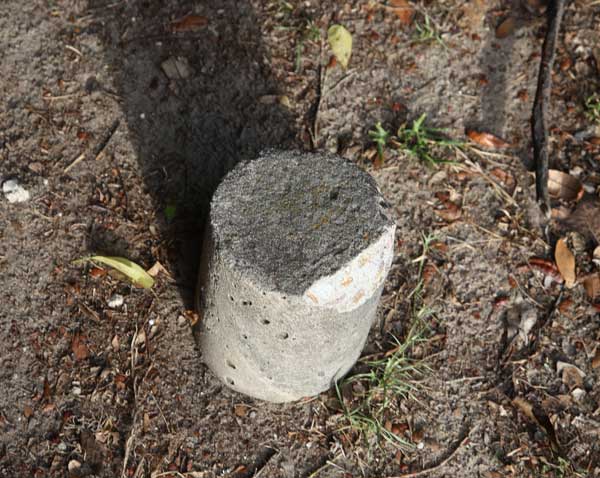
pixel 506 27
pixel 596 359
pixel 28 411
pixel 79 347
pixel 487 140
pixel 450 213
pixel 241 410
pixel 564 186
pixel 547 267
pixel 565 261
pixel 591 284
pixel 189 23
pixel 403 10
pixel 505 178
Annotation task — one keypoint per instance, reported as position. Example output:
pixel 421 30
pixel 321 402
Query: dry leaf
pixel 506 27
pixel 547 267
pixel 130 269
pixel 487 140
pixel 189 23
pixel 79 347
pixel 564 186
pixel 156 268
pixel 241 410
pixel 525 407
pixel 591 284
pixel 340 41
pixel 571 376
pixel 28 411
pixel 450 213
pixel 565 261
pixel 596 359
pixel 403 10
pixel 505 178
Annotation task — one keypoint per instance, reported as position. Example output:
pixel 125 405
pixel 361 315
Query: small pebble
pixel 14 192
pixel 73 466
pixel 116 301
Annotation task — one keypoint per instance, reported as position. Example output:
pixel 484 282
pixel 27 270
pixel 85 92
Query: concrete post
pixel 294 261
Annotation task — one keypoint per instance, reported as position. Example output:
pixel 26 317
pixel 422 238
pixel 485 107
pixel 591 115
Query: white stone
pixel 116 301
pixel 14 192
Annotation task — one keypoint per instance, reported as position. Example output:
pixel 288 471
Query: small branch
pixel 443 463
pixel 539 126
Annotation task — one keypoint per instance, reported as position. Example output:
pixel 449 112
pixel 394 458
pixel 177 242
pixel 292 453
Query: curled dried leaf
pixel 547 267
pixel 450 213
pixel 487 140
pixel 506 178
pixel 591 284
pixel 565 261
pixel 506 27
pixel 189 23
pixel 564 186
pixel 403 10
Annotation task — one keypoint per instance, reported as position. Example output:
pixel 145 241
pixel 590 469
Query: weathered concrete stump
pixel 294 261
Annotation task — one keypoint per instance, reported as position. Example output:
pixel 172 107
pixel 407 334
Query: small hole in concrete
pixel 246 303
pixel 231 298
pixel 284 297
pixel 333 195
pixel 245 337
pixel 229 381
pixel 285 335
pixel 270 378
pixel 230 364
pixel 265 322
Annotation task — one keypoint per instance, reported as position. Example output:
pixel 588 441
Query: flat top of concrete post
pixel 289 218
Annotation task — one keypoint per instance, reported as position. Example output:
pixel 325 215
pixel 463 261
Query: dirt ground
pixel 120 118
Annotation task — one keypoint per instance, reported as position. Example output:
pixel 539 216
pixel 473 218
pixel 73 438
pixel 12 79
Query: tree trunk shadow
pixel 190 77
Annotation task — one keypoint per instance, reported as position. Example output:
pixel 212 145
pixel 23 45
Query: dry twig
pixel 539 126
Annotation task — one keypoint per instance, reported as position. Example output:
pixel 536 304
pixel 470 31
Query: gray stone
pixel 294 261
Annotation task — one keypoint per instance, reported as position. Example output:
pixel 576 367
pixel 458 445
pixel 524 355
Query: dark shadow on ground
pixel 499 75
pixel 193 96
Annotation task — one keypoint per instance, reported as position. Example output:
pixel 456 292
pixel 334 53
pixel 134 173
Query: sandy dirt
pixel 120 118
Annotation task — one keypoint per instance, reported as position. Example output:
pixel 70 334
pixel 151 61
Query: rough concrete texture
pixel 293 266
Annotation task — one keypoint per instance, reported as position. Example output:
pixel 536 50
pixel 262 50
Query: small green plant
pixel 427 32
pixel 380 390
pixel 309 32
pixel 562 469
pixel 377 393
pixel 422 141
pixel 592 108
pixel 380 136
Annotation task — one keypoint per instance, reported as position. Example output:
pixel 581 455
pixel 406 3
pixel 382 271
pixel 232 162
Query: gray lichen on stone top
pixel 289 218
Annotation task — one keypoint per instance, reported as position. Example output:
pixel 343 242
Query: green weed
pixel 380 136
pixel 592 108
pixel 427 144
pixel 377 392
pixel 427 32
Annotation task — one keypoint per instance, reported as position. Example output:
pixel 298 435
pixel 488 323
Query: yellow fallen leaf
pixel 131 270
pixel 340 41
pixel 565 261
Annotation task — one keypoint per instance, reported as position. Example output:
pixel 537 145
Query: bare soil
pixel 121 152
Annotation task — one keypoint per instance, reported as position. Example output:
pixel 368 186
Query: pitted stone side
pixel 259 334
